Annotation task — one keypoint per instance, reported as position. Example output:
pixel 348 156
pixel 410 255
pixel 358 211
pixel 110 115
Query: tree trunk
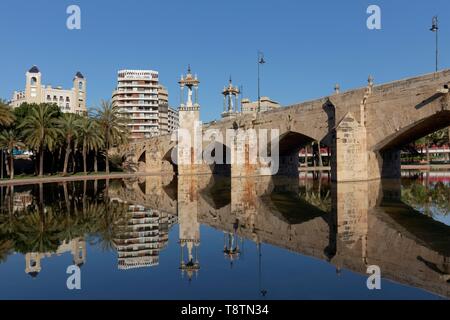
pixel 95 162
pixel 41 162
pixel 66 197
pixel 74 162
pixel 6 164
pixel 107 162
pixel 428 153
pixel 66 158
pixel 84 159
pixel 11 160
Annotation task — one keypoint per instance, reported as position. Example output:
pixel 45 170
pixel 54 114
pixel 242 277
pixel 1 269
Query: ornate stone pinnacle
pixel 337 88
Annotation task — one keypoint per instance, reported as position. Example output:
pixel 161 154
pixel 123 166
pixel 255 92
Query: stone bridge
pixel 365 129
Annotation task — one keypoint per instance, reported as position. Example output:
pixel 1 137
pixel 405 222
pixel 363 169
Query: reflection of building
pixel 77 247
pixel 144 102
pixel 71 101
pixel 137 243
pixel 189 225
pixel 231 248
pixel 141 237
pixel 252 107
pixel 22 200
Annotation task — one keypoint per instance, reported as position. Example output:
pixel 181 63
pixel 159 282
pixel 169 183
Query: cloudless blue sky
pixel 309 45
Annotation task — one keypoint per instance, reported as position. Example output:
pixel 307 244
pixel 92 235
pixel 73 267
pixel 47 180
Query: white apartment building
pixel 143 101
pixel 69 101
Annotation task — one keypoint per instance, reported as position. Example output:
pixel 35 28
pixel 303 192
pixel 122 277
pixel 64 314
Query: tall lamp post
pixel 261 61
pixel 435 29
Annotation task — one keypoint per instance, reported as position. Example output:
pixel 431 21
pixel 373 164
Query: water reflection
pixel 351 226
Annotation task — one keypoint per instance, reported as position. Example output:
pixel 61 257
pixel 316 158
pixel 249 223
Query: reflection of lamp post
pixel 261 61
pixel 435 29
pixel 262 291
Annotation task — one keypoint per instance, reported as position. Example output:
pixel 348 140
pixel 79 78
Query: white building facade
pixel 143 101
pixel 69 101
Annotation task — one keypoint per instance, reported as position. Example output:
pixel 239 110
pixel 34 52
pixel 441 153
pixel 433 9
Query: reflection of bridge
pixel 368 225
pixel 365 129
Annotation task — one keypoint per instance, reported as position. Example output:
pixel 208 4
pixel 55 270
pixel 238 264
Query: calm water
pixel 193 238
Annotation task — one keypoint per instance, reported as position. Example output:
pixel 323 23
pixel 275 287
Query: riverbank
pixel 61 178
pixel 418 167
pixel 120 175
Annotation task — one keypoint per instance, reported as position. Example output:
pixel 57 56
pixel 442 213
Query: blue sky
pixel 309 45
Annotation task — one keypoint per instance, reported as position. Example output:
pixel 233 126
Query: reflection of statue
pixel 189 227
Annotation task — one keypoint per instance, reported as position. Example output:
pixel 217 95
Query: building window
pixel 80 85
pixel 33 81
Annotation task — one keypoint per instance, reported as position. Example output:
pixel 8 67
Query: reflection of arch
pixel 218 192
pixel 415 131
pixel 223 168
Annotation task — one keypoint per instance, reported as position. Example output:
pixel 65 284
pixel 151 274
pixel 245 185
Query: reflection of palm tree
pixel 110 223
pixel 6 249
pixel 38 232
pixel 323 202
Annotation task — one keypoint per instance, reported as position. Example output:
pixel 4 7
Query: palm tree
pixel 68 124
pixel 10 139
pixel 96 146
pixel 6 116
pixel 89 138
pixel 113 127
pixel 41 131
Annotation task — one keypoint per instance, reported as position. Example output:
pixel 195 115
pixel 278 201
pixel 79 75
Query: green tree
pixel 89 137
pixel 68 124
pixel 6 116
pixel 10 140
pixel 113 127
pixel 41 131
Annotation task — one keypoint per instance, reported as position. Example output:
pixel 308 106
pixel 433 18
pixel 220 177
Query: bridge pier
pixel 349 161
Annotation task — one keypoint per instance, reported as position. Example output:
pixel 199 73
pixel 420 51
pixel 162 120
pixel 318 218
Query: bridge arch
pixel 415 131
pixel 289 145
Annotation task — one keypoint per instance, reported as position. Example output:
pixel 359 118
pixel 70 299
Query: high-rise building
pixel 168 117
pixel 69 101
pixel 143 101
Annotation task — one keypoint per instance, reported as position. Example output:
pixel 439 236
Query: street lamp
pixel 261 61
pixel 435 29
